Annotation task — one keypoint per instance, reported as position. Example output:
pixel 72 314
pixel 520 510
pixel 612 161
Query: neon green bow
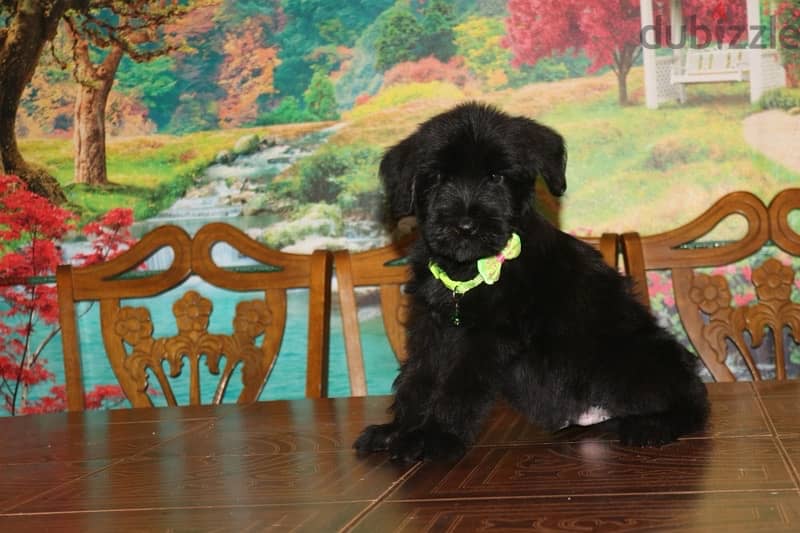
pixel 488 268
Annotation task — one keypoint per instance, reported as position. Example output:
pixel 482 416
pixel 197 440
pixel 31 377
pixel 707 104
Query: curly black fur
pixel 560 334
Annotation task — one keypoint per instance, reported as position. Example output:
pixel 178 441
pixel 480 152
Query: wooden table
pixel 288 466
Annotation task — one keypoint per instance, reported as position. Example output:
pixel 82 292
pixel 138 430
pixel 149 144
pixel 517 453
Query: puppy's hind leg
pixel 656 429
pixel 683 402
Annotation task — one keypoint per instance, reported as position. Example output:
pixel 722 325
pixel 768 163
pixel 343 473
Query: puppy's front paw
pixel 374 438
pixel 426 445
pixel 646 430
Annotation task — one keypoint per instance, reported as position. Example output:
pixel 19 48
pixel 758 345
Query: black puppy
pixel 505 304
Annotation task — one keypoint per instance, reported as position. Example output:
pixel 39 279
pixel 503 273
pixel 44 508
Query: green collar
pixel 488 268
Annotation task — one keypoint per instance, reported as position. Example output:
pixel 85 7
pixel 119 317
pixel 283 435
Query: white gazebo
pixel 666 77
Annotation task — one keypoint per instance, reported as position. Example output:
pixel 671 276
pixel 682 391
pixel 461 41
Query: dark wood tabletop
pixel 288 466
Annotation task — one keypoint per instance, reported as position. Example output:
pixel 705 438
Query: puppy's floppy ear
pixel 398 170
pixel 545 151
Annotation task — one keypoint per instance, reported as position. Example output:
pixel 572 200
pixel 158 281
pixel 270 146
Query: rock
pixel 794 111
pixel 223 157
pixel 246 145
pixel 241 198
pixel 267 143
pixel 262 203
pixel 322 220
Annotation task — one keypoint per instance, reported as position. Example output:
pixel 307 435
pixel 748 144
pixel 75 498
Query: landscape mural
pixel 272 115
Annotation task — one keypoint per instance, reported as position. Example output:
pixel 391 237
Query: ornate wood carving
pixel 710 319
pixel 133 326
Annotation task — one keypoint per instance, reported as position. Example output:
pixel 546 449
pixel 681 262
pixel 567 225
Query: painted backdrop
pixel 273 114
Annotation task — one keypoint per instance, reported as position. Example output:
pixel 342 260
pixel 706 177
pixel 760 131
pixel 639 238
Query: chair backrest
pixel 386 269
pixel 128 331
pixel 711 316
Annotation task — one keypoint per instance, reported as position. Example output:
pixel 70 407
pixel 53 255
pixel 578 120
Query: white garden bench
pixel 710 65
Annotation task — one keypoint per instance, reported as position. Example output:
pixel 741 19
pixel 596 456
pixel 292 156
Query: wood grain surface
pixel 288 466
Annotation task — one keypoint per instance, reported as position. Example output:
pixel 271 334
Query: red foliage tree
pixel 608 31
pixel 110 236
pixel 30 229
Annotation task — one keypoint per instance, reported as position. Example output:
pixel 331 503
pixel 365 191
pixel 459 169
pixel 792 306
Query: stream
pixel 221 192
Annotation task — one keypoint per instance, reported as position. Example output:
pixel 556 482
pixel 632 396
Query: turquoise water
pixel 288 377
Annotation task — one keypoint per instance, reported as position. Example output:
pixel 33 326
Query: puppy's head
pixel 468 176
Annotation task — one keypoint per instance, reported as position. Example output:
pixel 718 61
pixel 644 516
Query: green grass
pixel 633 168
pixel 146 173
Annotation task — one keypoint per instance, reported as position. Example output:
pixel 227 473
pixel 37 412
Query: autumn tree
pixel 47 104
pixel 246 74
pixel 101 36
pixel 26 26
pixel 608 31
pixel 479 41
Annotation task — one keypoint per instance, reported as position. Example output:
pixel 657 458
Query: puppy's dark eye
pixel 496 178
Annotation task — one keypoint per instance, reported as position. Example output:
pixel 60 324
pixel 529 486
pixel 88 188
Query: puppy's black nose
pixel 466 225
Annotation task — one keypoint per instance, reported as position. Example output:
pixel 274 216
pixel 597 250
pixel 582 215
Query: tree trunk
pixel 21 44
pixel 622 87
pixel 623 61
pixel 94 86
pixel 90 137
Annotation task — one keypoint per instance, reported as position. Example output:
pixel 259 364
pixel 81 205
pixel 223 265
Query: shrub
pixel 783 98
pixel 344 175
pixel 289 111
pixel 672 151
pixel 426 70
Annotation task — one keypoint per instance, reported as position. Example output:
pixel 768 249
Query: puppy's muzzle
pixel 466 226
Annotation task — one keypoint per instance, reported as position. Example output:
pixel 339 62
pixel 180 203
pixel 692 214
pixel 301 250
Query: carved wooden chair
pixel 127 331
pixel 720 325
pixel 386 269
